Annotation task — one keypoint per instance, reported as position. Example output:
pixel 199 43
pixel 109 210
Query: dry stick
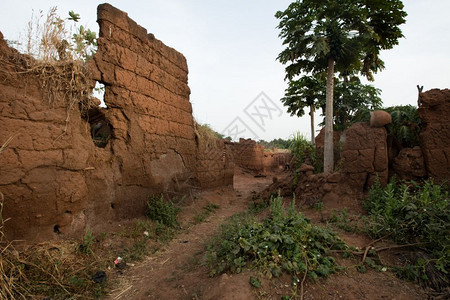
pixel 5 144
pixel 303 280
pixel 370 245
pixel 121 293
pixel 378 250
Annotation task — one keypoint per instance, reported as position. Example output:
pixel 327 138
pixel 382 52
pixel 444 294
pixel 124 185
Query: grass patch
pixel 284 242
pixel 342 220
pixel 207 210
pixel 410 213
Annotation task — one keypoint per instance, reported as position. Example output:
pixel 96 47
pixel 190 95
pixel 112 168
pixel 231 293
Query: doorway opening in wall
pixel 100 128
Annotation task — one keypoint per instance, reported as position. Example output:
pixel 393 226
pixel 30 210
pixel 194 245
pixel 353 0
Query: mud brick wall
pixel 57 182
pixel 215 166
pixel 276 161
pixel 248 154
pixel 42 170
pixel 364 156
pixel 147 99
pixel 434 110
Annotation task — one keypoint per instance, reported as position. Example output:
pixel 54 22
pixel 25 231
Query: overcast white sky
pixel 231 48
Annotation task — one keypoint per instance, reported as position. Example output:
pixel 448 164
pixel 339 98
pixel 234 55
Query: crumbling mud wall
pixel 409 164
pixel 248 154
pixel 276 161
pixel 148 108
pixel 66 169
pixel 215 166
pixel 434 110
pixel 364 156
pixel 43 169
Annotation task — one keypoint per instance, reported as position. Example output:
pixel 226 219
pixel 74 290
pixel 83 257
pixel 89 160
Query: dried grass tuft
pixel 58 65
pixel 205 135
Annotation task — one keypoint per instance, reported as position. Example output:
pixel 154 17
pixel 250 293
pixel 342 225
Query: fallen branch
pixel 377 250
pixel 370 245
pixel 123 292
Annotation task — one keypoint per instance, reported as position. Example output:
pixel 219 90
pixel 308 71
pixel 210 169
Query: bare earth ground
pixel 176 271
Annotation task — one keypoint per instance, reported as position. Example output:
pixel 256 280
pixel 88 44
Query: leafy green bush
pixel 410 213
pixel 163 212
pixel 304 151
pixel 286 241
pixel 406 125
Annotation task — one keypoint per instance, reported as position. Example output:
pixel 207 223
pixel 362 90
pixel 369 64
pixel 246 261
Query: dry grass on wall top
pixel 205 135
pixel 56 59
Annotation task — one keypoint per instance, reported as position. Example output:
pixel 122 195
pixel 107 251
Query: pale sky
pixel 231 47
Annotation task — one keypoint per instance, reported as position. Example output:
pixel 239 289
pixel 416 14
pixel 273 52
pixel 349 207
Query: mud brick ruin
pixel 58 182
pixel 66 169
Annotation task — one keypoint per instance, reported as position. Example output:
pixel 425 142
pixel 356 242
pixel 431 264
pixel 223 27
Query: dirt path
pixel 176 271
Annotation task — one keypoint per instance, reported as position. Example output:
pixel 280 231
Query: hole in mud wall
pixel 101 130
pixel 56 229
pixel 112 205
pixel 99 93
pixel 196 140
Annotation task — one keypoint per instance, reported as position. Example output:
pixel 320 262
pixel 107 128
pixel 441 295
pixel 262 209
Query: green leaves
pixel 73 16
pixel 254 281
pixel 286 241
pixel 351 98
pixel 351 32
pixel 406 125
pixel 84 40
pixel 411 213
pixel 162 211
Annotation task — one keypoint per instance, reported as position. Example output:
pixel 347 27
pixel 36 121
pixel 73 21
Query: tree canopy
pixel 342 35
pixel 352 32
pixel 351 97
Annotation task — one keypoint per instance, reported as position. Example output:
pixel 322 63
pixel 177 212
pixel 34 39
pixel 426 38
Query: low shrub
pixel 413 213
pixel 285 241
pixel 304 152
pixel 162 211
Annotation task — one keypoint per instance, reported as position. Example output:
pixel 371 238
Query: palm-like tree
pixel 307 91
pixel 345 35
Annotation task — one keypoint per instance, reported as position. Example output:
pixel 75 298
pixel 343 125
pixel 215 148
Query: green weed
pixel 162 211
pixel 304 152
pixel 88 241
pixel 285 241
pixel 207 210
pixel 341 220
pixel 413 213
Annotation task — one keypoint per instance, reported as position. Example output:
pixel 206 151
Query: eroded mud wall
pixel 434 110
pixel 215 165
pixel 57 178
pixel 364 156
pixel 43 168
pixel 276 161
pixel 147 99
pixel 248 154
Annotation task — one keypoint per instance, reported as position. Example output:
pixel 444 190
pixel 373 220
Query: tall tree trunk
pixel 311 113
pixel 328 155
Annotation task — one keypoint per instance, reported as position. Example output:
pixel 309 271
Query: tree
pixel 345 35
pixel 306 91
pixel 351 98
